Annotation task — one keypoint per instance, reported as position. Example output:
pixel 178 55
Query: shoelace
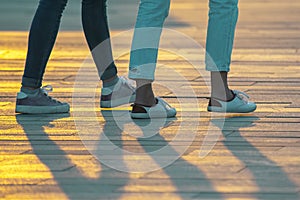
pixel 46 89
pixel 127 82
pixel 242 95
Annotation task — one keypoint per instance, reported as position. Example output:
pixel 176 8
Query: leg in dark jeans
pixel 95 26
pixel 42 37
pixel 44 31
pixel 32 98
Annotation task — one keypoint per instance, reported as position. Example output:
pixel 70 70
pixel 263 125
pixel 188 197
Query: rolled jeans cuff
pixel 31 82
pixel 145 71
pixel 219 68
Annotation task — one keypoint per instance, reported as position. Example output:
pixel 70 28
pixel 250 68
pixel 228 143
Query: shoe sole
pixel 146 116
pixel 117 102
pixel 139 116
pixel 42 109
pixel 221 110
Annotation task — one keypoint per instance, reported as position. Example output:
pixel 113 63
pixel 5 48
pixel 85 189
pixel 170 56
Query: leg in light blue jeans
pixel 223 16
pixel 148 28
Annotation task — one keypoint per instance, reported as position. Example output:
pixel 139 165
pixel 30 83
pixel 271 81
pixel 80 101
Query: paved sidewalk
pixel 256 156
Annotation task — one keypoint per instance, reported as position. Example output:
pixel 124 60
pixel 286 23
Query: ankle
pixel 219 86
pixel 29 90
pixel 145 102
pixel 145 95
pixel 225 95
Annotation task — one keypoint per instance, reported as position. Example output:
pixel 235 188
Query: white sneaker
pixel 239 104
pixel 122 93
pixel 160 110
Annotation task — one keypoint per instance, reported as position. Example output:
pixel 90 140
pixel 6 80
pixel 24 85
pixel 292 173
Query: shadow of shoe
pixel 151 127
pixel 234 123
pixel 34 126
pixel 37 121
pixel 224 127
pixel 120 122
pixel 119 141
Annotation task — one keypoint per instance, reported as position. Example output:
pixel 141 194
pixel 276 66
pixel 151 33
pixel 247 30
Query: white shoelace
pixel 128 82
pixel 242 95
pixel 47 88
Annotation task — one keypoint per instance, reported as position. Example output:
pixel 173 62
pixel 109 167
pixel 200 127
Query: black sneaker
pixel 40 103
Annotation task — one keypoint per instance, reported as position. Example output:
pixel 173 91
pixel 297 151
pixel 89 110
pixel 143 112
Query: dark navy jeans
pixel 43 33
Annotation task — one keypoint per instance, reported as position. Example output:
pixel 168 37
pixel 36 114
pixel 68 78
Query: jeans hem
pixel 218 69
pixel 135 77
pixel 31 82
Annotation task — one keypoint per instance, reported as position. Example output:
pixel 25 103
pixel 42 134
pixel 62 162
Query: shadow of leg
pixel 67 176
pixel 270 178
pixel 189 181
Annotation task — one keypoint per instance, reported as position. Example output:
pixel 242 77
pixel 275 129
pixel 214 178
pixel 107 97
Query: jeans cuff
pixel 216 68
pixel 142 72
pixel 31 82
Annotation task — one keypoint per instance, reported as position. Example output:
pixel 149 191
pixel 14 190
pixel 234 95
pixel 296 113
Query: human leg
pixel 43 32
pixel 96 30
pixel 143 59
pixel 116 91
pixel 223 15
pixel 42 36
pixel 145 44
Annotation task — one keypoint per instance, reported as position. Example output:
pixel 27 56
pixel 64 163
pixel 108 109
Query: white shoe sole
pixel 117 102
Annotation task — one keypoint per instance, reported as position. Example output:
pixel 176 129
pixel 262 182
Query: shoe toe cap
pixel 252 106
pixel 249 107
pixel 172 112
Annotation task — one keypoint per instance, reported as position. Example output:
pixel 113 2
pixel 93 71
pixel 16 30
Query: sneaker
pixel 161 110
pixel 239 104
pixel 40 103
pixel 122 93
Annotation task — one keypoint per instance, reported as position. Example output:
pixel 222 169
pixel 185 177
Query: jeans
pixel 223 15
pixel 43 33
pixel 148 28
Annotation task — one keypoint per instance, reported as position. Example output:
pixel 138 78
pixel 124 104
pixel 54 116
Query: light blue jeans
pixel 223 16
pixel 148 28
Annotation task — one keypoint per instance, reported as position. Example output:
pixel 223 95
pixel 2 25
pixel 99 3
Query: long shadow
pixel 181 173
pixel 189 181
pixel 271 180
pixel 69 178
